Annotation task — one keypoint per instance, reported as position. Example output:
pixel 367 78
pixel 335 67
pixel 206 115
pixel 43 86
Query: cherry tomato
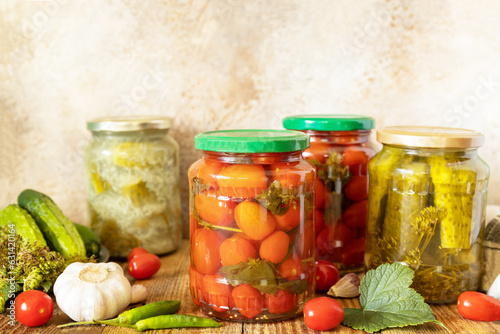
pixel 291 174
pixel 275 247
pixel 323 313
pixel 196 285
pixel 217 292
pixel 323 197
pixel 318 151
pixel 357 188
pixel 282 301
pixel 205 250
pixel 266 158
pixel 208 171
pixel 136 251
pixel 242 180
pixel 327 274
pixel 354 156
pixel 331 240
pixel 478 306
pixel 354 252
pixel 291 269
pixel 144 266
pixel 235 250
pixel 291 218
pixel 217 211
pixel 254 220
pixel 319 222
pixel 355 215
pixel 248 300
pixel 33 308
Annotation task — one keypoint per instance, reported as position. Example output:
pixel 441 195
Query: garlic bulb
pixel 92 291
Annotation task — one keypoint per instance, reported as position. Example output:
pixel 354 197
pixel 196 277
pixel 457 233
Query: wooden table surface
pixel 172 282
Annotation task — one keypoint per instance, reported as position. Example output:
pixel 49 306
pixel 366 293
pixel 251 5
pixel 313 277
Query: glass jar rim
pixel 129 123
pixel 430 137
pixel 251 141
pixel 328 122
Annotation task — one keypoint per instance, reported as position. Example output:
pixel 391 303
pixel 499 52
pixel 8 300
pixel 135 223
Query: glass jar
pixel 340 149
pixel 132 181
pixel 427 207
pixel 251 225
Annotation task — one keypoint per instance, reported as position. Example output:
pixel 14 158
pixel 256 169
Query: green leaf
pixel 276 198
pixel 258 273
pixel 262 275
pixel 387 301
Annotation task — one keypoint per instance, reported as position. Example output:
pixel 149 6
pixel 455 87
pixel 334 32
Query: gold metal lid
pixel 430 137
pixel 129 123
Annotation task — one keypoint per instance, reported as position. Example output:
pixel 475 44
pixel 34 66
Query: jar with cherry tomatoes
pixel 251 225
pixel 340 149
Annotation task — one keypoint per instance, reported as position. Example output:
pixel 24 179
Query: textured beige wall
pixel 233 64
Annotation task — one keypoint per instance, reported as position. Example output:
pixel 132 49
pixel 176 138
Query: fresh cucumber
pixel 59 231
pixel 90 239
pixel 24 224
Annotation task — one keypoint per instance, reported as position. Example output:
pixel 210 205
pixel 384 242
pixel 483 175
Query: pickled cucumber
pixel 454 189
pixel 380 171
pixel 99 184
pixel 408 195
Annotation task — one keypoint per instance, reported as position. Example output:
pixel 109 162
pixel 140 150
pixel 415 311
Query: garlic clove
pixel 139 293
pixel 346 287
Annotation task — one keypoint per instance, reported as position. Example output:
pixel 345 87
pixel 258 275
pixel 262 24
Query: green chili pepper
pixel 175 321
pixel 148 311
pixel 130 317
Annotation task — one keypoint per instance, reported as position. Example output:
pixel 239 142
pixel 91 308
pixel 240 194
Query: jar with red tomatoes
pixel 251 225
pixel 340 149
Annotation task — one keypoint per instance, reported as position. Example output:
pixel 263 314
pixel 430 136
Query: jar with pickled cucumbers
pixel 340 149
pixel 251 225
pixel 427 207
pixel 132 181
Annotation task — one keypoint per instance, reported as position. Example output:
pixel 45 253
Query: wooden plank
pixel 172 282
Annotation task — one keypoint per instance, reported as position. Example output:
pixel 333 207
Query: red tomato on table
pixel 323 313
pixel 33 308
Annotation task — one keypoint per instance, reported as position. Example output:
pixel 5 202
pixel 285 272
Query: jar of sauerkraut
pixel 132 179
pixel 427 207
pixel 251 225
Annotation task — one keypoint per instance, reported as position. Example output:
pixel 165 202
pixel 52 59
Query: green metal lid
pixel 328 122
pixel 251 141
